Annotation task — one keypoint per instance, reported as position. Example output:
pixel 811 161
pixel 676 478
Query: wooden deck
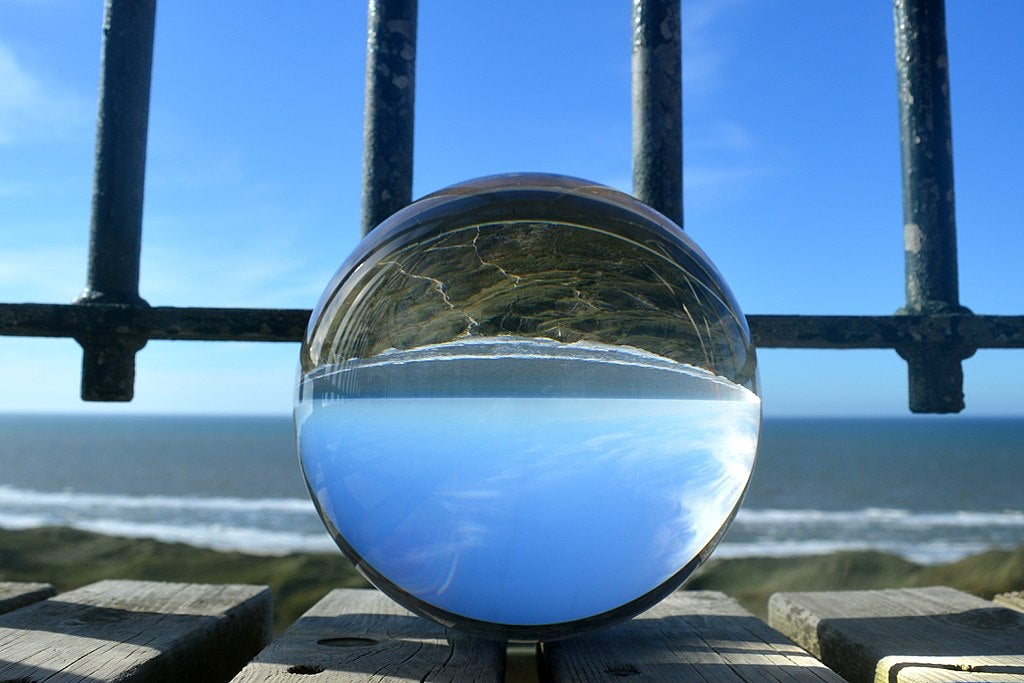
pixel 149 631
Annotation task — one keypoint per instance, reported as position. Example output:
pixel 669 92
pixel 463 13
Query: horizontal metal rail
pixel 153 322
pixel 289 325
pixel 887 332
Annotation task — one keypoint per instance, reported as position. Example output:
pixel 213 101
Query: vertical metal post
pixel 658 106
pixel 929 216
pixel 108 368
pixel 388 118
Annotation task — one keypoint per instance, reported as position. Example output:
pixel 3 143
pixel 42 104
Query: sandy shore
pixel 68 558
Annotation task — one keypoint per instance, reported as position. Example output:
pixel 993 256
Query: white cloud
pixel 39 374
pixel 723 135
pixel 31 109
pixel 265 272
pixel 709 181
pixel 706 48
pixel 44 375
pixel 42 274
pixel 216 377
pixel 9 189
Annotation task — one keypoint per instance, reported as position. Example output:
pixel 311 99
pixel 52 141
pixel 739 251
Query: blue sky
pixel 791 158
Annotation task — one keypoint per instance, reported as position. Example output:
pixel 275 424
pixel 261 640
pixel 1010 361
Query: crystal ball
pixel 527 407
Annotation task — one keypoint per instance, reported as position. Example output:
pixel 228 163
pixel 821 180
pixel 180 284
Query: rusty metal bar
pixel 658 106
pixel 929 211
pixel 289 325
pixel 886 332
pixel 154 322
pixel 935 372
pixel 108 362
pixel 389 109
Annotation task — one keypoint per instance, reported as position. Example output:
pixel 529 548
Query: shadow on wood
pixel 136 631
pixel 691 635
pixel 358 634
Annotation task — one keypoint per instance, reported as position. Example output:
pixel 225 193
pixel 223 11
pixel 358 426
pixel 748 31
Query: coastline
pixel 69 558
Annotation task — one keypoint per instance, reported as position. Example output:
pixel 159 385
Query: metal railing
pixel 933 332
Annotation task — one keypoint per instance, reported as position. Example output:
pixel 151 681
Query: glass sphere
pixel 527 406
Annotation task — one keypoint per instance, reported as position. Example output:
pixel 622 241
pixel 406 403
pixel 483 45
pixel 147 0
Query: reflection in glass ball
pixel 527 406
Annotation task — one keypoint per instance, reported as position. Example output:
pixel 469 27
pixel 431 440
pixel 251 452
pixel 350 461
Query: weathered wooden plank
pixel 1014 600
pixel 930 674
pixel 136 631
pixel 361 635
pixel 691 635
pixel 912 634
pixel 14 595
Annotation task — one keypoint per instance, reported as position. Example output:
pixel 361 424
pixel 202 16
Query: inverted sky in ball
pixel 527 406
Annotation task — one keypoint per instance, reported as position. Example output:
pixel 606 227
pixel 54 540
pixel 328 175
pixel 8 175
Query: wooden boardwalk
pixel 149 631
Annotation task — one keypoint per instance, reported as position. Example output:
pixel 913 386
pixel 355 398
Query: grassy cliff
pixel 752 580
pixel 68 558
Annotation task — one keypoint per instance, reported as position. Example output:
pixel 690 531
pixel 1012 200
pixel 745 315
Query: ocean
pixel 929 489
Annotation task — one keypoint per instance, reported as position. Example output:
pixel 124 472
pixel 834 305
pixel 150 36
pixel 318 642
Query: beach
pixel 835 503
pixel 930 490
